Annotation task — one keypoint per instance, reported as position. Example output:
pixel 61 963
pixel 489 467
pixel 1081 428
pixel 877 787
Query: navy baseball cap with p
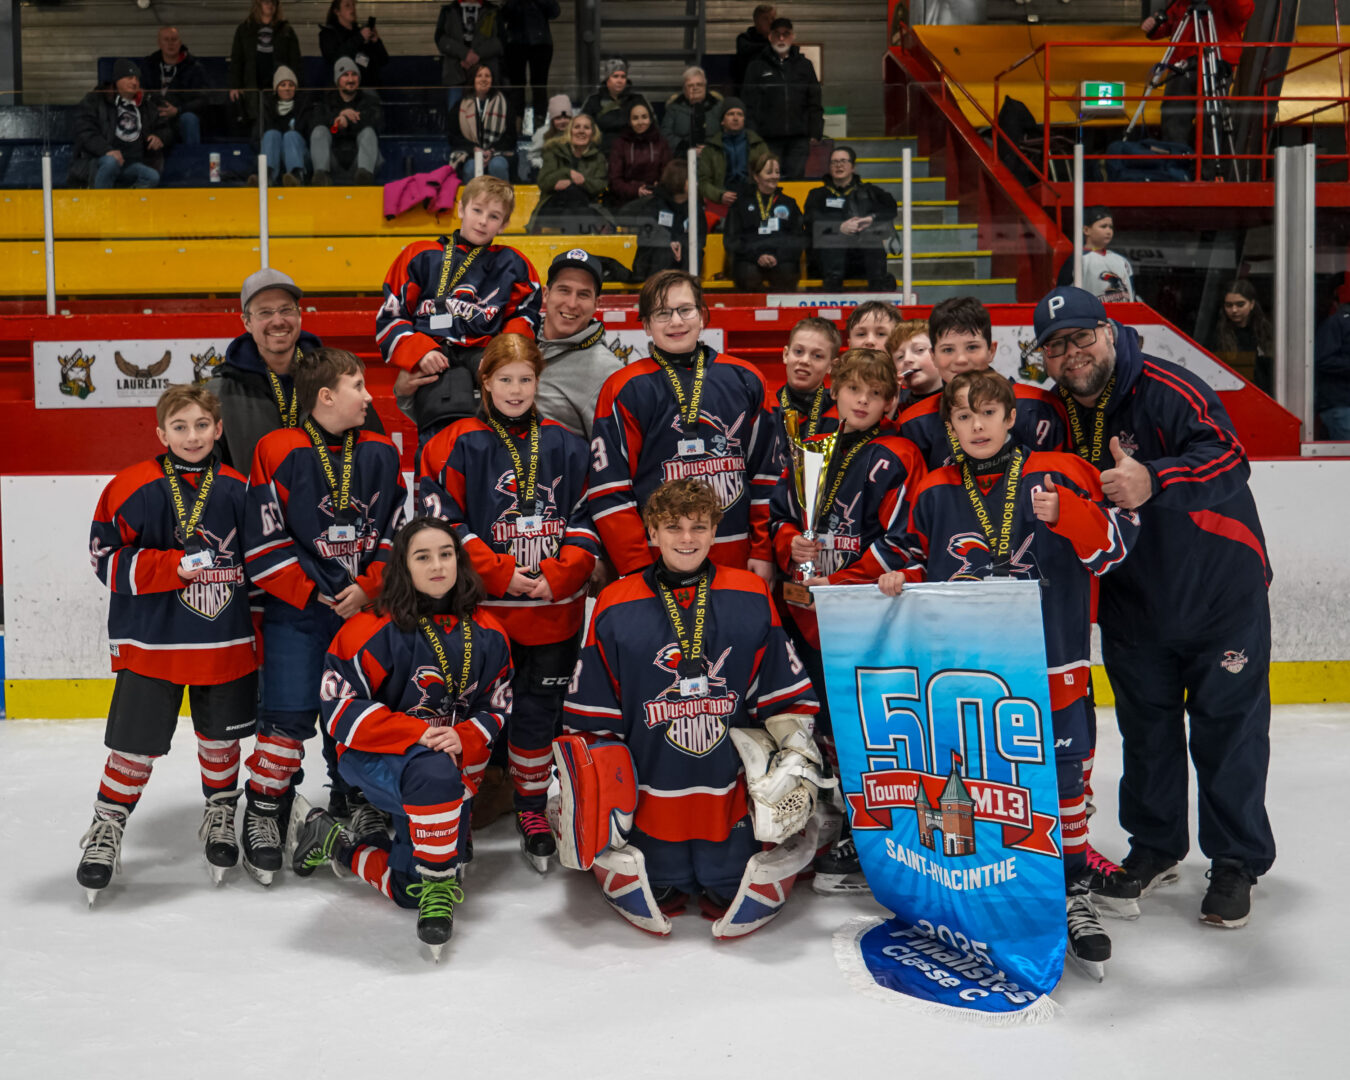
pixel 577 259
pixel 1067 308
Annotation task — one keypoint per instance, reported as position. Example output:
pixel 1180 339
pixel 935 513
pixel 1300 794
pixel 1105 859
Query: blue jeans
pixel 497 166
pixel 284 148
pixel 108 174
pixel 1337 422
pixel 189 129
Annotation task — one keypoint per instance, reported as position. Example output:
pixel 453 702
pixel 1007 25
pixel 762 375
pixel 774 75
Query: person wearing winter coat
pixel 344 137
pixel 468 33
pixel 608 106
pixel 763 235
pixel 559 116
pixel 782 95
pixel 486 122
pixel 751 42
pixel 573 180
pixel 529 48
pixel 848 223
pixel 263 42
pixel 342 34
pixel 282 134
pixel 724 164
pixel 178 79
pixel 119 134
pixel 661 222
pixel 637 157
pixel 690 115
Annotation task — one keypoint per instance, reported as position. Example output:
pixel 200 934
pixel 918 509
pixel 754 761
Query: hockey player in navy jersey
pixel 515 487
pixel 1186 621
pixel 445 299
pixel 865 492
pixel 812 348
pixel 963 340
pixel 1010 511
pixel 415 693
pixel 324 502
pixel 683 412
pixel 686 673
pixel 166 539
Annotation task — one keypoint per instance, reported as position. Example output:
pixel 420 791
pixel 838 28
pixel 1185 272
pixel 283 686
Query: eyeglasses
pixel 288 312
pixel 685 314
pixel 1081 339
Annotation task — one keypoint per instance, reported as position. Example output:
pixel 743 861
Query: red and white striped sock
pixel 219 761
pixel 530 772
pixel 1074 828
pixel 273 763
pixel 124 778
pixel 435 834
pixel 371 865
pixel 1087 782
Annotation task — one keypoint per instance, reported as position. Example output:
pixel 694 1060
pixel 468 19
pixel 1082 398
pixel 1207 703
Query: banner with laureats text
pixel 940 707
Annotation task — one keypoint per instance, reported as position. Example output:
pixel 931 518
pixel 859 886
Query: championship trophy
pixel 810 462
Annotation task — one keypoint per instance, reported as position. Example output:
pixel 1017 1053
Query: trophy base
pixel 796 593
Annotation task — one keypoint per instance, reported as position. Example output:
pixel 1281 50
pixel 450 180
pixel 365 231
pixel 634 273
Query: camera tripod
pixel 1218 125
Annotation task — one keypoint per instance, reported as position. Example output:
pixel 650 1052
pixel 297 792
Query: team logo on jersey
pixel 696 725
pixel 1234 660
pixel 433 703
pixel 349 552
pixel 140 379
pixel 463 303
pixel 967 547
pixel 204 365
pixel 75 376
pixel 1128 443
pixel 845 543
pixel 722 466
pixel 530 548
pixel 212 592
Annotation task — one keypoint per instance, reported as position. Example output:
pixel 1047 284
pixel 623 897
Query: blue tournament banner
pixel 940 706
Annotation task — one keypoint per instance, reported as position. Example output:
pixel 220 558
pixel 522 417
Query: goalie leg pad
pixel 598 796
pixel 766 884
pixel 622 874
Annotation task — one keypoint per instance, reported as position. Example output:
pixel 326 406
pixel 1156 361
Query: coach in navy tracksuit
pixel 1185 619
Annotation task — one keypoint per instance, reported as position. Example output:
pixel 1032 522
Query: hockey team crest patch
pixel 941 712
pixel 696 725
pixel 1234 660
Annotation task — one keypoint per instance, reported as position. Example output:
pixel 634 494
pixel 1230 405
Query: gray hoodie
pixel 577 368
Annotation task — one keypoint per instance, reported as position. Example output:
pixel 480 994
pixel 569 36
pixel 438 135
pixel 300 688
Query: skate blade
pixel 1116 907
pixel 1208 920
pixel 435 951
pixel 539 863
pixel 840 885
pixel 1167 877
pixel 262 877
pixel 217 873
pixel 91 895
pixel 1093 969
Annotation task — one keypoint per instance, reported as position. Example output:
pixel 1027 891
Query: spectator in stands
pixel 263 42
pixel 468 33
pixel 751 42
pixel 282 131
pixel 485 122
pixel 637 157
pixel 1331 370
pixel 529 48
pixel 344 138
pixel 559 116
pixel 848 224
pixel 608 106
pixel 724 165
pixel 763 236
pixel 1245 338
pixel 661 221
pixel 119 134
pixel 782 95
pixel 343 35
pixel 1106 274
pixel 573 180
pixel 175 75
pixel 1230 24
pixel 687 116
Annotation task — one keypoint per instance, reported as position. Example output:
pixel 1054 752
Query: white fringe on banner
pixel 848 955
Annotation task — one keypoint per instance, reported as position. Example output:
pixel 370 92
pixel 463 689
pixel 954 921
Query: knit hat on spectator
pixel 729 103
pixel 125 69
pixel 609 67
pixel 283 74
pixel 559 105
pixel 344 64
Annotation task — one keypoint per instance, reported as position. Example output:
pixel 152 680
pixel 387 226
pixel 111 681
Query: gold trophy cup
pixel 810 461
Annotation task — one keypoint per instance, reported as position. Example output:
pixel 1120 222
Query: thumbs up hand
pixel 1045 501
pixel 1129 484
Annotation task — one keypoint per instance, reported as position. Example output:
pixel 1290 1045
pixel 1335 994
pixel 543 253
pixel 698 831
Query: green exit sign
pixel 1103 97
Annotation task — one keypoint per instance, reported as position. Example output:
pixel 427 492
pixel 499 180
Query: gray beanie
pixel 344 64
pixel 609 67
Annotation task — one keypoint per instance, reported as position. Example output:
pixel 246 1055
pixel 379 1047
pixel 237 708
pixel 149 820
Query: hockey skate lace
pixel 367 820
pixel 436 899
pixel 218 824
pixel 1100 864
pixel 533 823
pixel 323 854
pixel 103 844
pixel 263 831
pixel 1082 918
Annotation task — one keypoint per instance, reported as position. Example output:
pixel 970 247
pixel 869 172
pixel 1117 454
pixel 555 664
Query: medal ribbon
pixel 524 481
pixel 853 451
pixel 189 520
pixel 438 647
pixel 817 407
pixel 447 282
pixel 342 492
pixel 688 404
pixel 691 648
pixel 289 411
pixel 1093 454
pixel 765 208
pixel 1000 544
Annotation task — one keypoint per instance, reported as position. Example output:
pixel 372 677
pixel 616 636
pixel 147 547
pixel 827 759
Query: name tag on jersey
pixel 694 686
pixel 665 218
pixel 689 447
pixel 770 226
pixel 529 523
pixel 835 204
pixel 339 533
pixel 197 560
pixel 442 321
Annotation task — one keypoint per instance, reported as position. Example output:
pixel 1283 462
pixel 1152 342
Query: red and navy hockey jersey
pixel 872 499
pixel 816 415
pixel 197 634
pixel 627 686
pixel 425 308
pixel 947 543
pixel 288 550
pixel 636 449
pixel 1041 424
pixel 383 687
pixel 469 478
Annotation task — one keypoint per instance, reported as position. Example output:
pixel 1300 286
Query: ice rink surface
pixel 168 977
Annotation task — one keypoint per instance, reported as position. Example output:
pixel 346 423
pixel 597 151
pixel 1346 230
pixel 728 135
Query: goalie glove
pixel 783 772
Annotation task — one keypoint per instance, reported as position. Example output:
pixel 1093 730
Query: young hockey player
pixel 325 500
pixel 445 299
pixel 963 340
pixel 685 411
pixel 870 323
pixel 515 487
pixel 865 492
pixel 1006 510
pixel 681 661
pixel 414 693
pixel 912 350
pixel 808 356
pixel 166 540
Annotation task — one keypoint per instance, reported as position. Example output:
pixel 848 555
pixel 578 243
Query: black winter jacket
pixel 752 212
pixel 782 96
pixel 827 207
pixel 336 41
pixel 96 133
pixel 187 88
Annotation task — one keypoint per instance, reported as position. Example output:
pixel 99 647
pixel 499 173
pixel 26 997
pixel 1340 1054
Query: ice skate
pixel 217 833
pixel 262 837
pixel 838 871
pixel 436 900
pixel 102 845
pixel 1143 871
pixel 536 840
pixel 318 839
pixel 1113 891
pixel 1089 947
pixel 369 824
pixel 1228 900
